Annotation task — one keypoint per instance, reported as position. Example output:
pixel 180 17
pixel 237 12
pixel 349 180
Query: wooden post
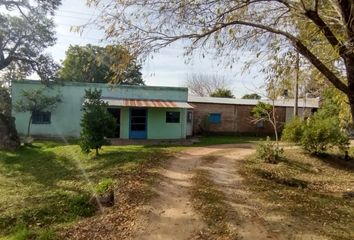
pixel 297 69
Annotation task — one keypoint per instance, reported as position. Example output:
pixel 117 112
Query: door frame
pixel 146 124
pixel 119 120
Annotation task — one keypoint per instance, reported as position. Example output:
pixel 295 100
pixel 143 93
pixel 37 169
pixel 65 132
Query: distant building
pixel 228 115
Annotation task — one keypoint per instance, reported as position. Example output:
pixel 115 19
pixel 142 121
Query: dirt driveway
pixel 171 214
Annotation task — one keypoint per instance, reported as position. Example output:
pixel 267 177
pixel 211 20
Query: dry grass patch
pixel 303 194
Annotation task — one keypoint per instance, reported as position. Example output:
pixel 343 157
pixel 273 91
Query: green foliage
pixel 262 111
pixel 269 151
pixel 79 205
pixel 251 96
pixel 222 93
pixel 335 103
pixel 100 64
pixel 293 130
pixel 36 100
pixel 103 186
pixel 321 134
pixel 21 233
pixel 97 123
pixel 26 30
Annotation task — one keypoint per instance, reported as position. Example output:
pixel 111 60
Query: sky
pixel 166 68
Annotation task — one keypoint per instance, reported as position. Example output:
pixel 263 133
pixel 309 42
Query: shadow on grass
pixel 127 160
pixel 336 161
pixel 44 167
pixel 304 167
pixel 60 207
pixel 287 181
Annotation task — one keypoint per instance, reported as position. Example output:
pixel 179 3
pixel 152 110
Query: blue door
pixel 138 122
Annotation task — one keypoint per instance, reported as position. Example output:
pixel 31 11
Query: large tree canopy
pixel 317 29
pixel 26 30
pixel 100 64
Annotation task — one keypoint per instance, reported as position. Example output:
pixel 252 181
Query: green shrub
pixel 293 130
pixel 21 233
pixel 103 186
pixel 321 134
pixel 269 151
pixel 97 124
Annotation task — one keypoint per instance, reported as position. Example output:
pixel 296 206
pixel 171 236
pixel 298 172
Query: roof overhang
pixel 147 103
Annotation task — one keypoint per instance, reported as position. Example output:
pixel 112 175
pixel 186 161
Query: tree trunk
pixel 97 153
pixel 351 104
pixel 349 63
pixel 29 126
pixel 9 139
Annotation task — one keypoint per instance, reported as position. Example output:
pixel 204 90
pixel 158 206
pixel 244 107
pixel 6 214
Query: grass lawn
pixel 227 139
pixel 303 195
pixel 46 186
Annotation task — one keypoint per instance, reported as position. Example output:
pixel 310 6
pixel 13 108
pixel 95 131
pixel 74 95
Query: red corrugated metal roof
pixel 146 103
pixel 149 103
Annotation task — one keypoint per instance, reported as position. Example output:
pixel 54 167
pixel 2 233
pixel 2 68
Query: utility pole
pixel 297 69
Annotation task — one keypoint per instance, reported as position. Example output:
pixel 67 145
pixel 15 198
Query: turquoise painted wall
pixel 159 129
pixel 65 119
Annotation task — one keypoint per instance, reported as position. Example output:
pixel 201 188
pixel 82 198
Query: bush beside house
pixel 317 134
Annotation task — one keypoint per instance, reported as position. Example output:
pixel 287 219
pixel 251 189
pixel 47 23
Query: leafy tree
pixel 26 30
pixel 36 101
pixel 321 31
pixel 251 96
pixel 222 93
pixel 96 123
pixel 100 64
pixel 205 84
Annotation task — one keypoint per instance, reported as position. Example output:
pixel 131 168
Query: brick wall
pixel 234 119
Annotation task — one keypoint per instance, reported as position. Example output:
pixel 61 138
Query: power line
pixel 71 11
pixel 74 17
pixel 77 36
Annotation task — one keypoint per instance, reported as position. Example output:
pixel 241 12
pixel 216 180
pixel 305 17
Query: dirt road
pixel 171 215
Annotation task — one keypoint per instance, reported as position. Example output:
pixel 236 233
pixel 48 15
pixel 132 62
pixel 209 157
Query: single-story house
pixel 229 115
pixel 141 112
pixel 150 112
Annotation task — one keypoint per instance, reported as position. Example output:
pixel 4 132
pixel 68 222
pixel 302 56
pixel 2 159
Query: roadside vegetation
pixel 45 189
pixel 304 195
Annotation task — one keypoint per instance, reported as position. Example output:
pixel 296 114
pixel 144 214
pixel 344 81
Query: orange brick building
pixel 226 115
